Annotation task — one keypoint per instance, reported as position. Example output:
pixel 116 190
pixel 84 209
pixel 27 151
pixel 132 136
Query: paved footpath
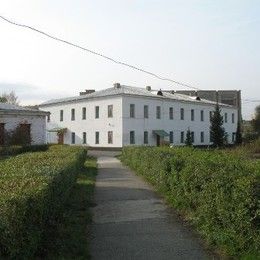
pixel 131 222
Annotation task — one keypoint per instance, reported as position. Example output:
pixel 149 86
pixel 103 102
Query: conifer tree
pixel 217 131
pixel 188 140
pixel 238 134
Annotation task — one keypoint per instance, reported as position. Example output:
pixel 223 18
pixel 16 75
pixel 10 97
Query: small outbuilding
pixel 24 123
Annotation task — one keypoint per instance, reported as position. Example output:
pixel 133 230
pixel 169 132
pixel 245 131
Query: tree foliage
pixel 238 134
pixel 10 98
pixel 217 131
pixel 256 121
pixel 188 140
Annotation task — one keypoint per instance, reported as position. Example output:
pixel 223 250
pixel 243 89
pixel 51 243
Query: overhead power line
pixel 98 54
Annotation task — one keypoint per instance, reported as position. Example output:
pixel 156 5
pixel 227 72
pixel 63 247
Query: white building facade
pixel 124 115
pixel 31 121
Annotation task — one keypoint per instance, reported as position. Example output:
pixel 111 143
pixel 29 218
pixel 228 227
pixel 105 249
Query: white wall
pixel 139 124
pixel 121 124
pixel 103 124
pixel 38 125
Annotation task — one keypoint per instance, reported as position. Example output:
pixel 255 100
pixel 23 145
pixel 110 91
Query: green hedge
pixel 33 189
pixel 218 191
pixel 17 149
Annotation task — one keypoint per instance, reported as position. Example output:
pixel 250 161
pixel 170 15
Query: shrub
pixel 16 149
pixel 33 189
pixel 217 190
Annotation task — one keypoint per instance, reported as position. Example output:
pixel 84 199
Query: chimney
pixel 86 92
pixel 117 85
pixel 159 93
pixel 148 88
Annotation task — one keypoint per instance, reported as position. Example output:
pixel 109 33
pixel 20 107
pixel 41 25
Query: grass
pixel 70 239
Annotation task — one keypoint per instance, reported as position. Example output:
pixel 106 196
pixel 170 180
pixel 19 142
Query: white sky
pixel 208 44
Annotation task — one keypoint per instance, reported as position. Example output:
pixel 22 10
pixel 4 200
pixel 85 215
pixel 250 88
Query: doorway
pixel 158 140
pixel 60 138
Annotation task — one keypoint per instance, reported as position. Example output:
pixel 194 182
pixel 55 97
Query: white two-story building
pixel 123 115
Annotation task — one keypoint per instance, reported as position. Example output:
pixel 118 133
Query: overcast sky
pixel 208 44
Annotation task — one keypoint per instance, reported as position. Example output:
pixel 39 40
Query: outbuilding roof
pixel 130 91
pixel 9 108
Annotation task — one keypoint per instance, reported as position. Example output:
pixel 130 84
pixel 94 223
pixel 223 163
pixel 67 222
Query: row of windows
pixel 146 113
pixel 145 136
pixel 171 137
pixel 84 113
pixel 84 137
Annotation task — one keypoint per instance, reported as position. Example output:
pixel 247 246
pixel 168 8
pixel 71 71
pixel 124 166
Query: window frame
pixel 132 137
pixel 182 113
pixel 110 137
pixel 146 111
pixel 61 115
pixel 73 116
pixel 171 138
pixel 202 115
pixel 192 115
pixel 202 137
pixel 84 113
pixel 132 111
pixel 110 111
pixel 84 138
pixel 97 137
pixel 97 112
pixel 171 113
pixel 158 112
pixel 73 138
pixel 146 139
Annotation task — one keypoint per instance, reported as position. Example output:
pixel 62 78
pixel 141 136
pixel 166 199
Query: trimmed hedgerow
pixel 218 191
pixel 17 149
pixel 33 189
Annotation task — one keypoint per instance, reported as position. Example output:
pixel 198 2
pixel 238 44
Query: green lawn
pixel 70 239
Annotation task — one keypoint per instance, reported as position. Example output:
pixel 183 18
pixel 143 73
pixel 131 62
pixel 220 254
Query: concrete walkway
pixel 131 222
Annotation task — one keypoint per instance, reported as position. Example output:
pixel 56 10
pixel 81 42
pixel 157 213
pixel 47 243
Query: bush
pixel 217 190
pixel 16 149
pixel 33 189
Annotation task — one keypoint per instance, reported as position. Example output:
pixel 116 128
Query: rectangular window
pixel 132 137
pixel 233 118
pixel 192 115
pixel 145 137
pixel 146 111
pixel 182 113
pixel 132 110
pixel 61 115
pixel 182 137
pixel 72 114
pixel 96 111
pixel 110 137
pixel 171 137
pixel 171 113
pixel 97 137
pixel 84 113
pixel 84 138
pixel 201 115
pixel 226 118
pixel 110 111
pixel 72 138
pixel 202 137
pixel 48 117
pixel 158 112
pixel 192 137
